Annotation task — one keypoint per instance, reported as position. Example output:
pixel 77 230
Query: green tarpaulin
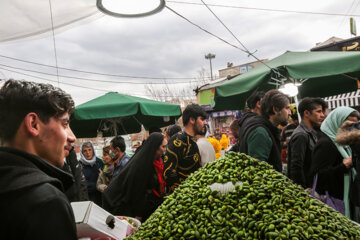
pixel 321 73
pixel 115 113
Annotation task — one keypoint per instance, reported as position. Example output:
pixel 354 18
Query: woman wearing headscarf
pixel 140 187
pixel 106 172
pixel 91 167
pixel 332 162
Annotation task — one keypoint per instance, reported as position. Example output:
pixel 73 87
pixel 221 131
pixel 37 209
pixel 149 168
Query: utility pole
pixel 210 56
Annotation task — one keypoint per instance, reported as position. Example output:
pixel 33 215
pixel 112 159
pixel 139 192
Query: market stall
pixel 119 114
pixel 239 197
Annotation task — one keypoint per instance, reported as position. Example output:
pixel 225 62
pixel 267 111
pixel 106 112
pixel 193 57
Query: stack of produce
pixel 263 204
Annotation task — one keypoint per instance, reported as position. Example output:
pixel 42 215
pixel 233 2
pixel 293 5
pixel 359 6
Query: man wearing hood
pixel 253 104
pixel 91 168
pixel 35 138
pixel 260 137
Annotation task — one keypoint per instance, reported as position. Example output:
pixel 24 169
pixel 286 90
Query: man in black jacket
pixel 78 191
pixel 35 136
pixel 303 140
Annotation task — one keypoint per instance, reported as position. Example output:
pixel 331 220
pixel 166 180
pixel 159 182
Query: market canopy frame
pixel 320 74
pixel 119 114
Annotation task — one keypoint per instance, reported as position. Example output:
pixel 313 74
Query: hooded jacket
pixel 32 202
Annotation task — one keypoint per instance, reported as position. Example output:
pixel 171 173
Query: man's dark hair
pixel 355 114
pixel 193 111
pixel 18 98
pixel 119 142
pixel 173 129
pixel 271 99
pixel 154 129
pixel 310 104
pixel 254 98
pixel 235 125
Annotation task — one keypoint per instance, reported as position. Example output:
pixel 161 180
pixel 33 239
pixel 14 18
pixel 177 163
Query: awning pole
pixel 297 108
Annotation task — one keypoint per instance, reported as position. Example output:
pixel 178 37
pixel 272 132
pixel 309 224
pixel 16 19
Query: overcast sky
pixel 166 46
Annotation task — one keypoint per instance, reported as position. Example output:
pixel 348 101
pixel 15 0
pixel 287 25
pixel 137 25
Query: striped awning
pixel 224 114
pixel 350 99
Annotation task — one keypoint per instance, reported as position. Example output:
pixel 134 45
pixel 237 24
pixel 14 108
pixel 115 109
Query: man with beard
pixel 303 140
pixel 36 136
pixel 182 154
pixel 260 137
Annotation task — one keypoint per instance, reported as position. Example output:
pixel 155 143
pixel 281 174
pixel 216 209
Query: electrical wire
pixel 221 39
pixel 54 41
pixel 194 24
pixel 83 87
pixel 265 9
pixel 88 79
pixel 101 74
pixel 49 80
pixel 244 47
pixel 347 14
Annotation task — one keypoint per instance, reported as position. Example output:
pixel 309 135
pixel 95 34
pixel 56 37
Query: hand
pixel 347 162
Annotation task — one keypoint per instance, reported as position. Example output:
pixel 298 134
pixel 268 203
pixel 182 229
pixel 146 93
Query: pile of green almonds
pixel 266 206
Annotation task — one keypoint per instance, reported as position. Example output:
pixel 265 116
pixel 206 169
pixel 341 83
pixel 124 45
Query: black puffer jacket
pixel 32 202
pixel 78 191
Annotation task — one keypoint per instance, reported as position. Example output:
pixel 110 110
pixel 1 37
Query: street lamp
pixel 210 56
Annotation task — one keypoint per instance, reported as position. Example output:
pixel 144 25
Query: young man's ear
pixel 192 120
pixel 307 113
pixel 258 104
pixel 31 122
pixel 118 149
pixel 275 110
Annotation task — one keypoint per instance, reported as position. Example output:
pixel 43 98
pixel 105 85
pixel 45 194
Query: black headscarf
pixel 125 195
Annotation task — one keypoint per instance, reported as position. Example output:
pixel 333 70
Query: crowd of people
pixel 316 158
pixel 40 174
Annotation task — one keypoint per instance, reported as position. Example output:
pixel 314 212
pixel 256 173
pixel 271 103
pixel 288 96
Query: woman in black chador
pixel 139 188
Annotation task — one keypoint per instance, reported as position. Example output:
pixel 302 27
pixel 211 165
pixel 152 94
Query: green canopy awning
pixel 321 74
pixel 115 113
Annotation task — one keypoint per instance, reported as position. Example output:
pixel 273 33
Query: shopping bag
pixel 332 202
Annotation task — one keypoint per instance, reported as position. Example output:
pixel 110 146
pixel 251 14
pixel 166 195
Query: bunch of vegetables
pixel 263 204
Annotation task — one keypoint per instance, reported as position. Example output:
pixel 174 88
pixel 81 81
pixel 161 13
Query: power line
pixel 266 9
pixel 221 39
pixel 49 80
pixel 347 14
pixel 83 87
pixel 87 79
pixel 97 73
pixel 246 49
pixel 54 41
